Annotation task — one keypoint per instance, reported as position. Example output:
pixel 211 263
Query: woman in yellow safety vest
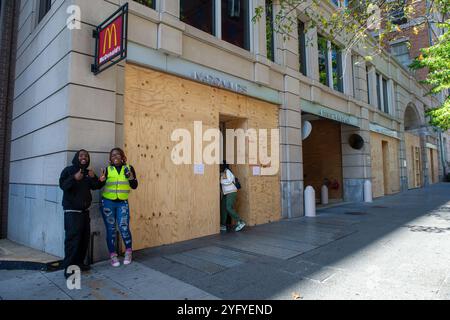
pixel 118 180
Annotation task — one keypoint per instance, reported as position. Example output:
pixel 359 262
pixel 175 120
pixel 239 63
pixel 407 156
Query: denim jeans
pixel 116 213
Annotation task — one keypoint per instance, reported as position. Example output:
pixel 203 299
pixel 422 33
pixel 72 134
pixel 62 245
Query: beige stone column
pixel 170 30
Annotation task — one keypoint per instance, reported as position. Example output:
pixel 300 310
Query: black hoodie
pixel 77 194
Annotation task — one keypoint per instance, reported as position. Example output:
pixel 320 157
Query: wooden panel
pixel 413 161
pixel 172 204
pixel 382 167
pixel 433 165
pixel 322 157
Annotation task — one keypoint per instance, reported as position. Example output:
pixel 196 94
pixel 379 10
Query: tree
pixel 437 59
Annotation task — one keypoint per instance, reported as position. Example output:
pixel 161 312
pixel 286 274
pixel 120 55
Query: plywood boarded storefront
pixel 413 160
pixel 385 164
pixel 322 157
pixel 172 204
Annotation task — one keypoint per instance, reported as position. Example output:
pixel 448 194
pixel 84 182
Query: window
pixel 336 62
pixel 302 47
pixel 198 13
pixel 379 91
pixel 270 40
pixel 44 7
pixel 235 23
pixel 385 96
pixel 382 93
pixel 330 64
pixel 397 13
pixel 322 45
pixel 369 94
pixel 354 73
pixel 147 3
pixel 229 21
pixel 401 52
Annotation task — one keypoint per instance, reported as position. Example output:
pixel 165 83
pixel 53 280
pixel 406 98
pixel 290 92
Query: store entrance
pixel 322 157
pixel 239 170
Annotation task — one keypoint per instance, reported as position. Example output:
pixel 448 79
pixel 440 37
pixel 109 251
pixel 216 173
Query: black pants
pixel 78 229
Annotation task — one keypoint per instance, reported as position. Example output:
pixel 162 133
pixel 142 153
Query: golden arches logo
pixel 108 37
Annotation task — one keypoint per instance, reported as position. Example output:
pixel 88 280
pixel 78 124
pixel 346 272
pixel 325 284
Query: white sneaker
pixel 240 226
pixel 115 260
pixel 223 228
pixel 127 259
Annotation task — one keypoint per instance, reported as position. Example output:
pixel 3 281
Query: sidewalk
pixel 397 247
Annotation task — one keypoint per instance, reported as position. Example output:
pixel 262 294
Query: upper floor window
pixel 330 64
pixel 236 23
pixel 302 47
pixel 44 7
pixel 336 62
pixel 382 93
pixel 379 99
pixel 229 21
pixel 199 14
pixel 147 3
pixel 322 45
pixel 397 12
pixel 270 36
pixel 401 52
pixel 385 95
pixel 369 89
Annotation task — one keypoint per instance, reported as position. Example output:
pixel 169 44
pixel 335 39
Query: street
pixel 397 247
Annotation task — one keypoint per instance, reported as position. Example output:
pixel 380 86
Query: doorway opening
pixel 322 157
pixel 239 170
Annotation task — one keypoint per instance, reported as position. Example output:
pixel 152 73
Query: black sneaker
pixel 85 267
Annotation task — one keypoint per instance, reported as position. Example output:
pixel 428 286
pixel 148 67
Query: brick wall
pixel 418 39
pixel 8 25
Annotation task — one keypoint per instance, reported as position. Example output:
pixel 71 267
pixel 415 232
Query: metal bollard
pixel 367 191
pixel 324 194
pixel 310 202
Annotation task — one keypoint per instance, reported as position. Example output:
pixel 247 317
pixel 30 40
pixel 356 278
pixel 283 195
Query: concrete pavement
pixel 397 247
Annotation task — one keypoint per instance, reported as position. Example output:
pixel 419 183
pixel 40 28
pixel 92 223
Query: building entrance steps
pixel 17 256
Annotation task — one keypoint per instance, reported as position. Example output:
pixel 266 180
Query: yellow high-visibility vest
pixel 117 185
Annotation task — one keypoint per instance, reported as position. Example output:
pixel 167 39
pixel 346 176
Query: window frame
pixel 154 4
pixel 217 24
pixel 329 65
pixel 40 12
pixel 379 92
pixel 272 38
pixel 303 58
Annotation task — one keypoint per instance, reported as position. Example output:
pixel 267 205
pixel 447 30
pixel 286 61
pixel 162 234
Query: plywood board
pixel 413 164
pixel 173 204
pixel 378 159
pixel 322 157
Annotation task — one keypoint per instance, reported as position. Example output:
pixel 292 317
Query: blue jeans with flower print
pixel 116 213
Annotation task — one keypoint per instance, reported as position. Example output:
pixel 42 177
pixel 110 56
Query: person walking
pixel 77 181
pixel 229 191
pixel 118 180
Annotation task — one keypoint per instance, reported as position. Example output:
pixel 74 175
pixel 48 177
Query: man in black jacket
pixel 77 181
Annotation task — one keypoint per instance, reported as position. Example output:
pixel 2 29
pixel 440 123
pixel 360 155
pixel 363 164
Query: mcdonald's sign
pixel 111 40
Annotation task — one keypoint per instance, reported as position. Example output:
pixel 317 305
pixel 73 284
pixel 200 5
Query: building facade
pixel 8 30
pixel 206 62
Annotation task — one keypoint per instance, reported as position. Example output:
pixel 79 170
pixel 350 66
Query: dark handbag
pixel 237 183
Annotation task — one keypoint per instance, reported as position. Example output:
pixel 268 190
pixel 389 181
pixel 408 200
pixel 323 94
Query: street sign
pixel 111 40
